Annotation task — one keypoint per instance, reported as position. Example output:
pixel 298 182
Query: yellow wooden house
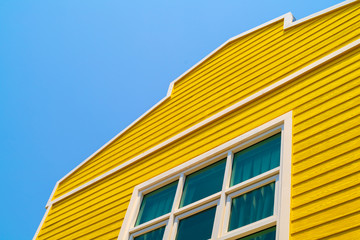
pixel 259 140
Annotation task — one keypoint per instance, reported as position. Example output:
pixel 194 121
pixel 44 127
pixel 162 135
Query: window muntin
pixel 203 183
pixel 156 203
pixel 220 229
pixel 267 234
pixel 156 234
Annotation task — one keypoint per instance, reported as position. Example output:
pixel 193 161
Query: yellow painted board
pixel 349 111
pixel 328 177
pixel 326 202
pixel 352 9
pixel 326 131
pixel 330 163
pixel 325 231
pixel 342 209
pixel 330 188
pixel 352 233
pixel 251 123
pixel 335 151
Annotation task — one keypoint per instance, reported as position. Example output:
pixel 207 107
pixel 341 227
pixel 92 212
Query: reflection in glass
pixel 252 206
pixel 156 203
pixel 257 159
pixel 156 234
pixel 267 234
pixel 203 183
pixel 197 227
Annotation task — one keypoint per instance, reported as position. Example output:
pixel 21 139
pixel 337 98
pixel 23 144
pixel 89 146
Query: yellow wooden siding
pixel 238 70
pixel 326 165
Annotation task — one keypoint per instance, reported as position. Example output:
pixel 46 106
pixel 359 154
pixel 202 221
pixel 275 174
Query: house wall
pixel 325 104
pixel 238 70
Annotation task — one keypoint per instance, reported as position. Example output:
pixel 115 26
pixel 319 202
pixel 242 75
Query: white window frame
pixel 222 200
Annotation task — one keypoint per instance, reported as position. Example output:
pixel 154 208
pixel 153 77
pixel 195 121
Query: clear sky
pixel 74 73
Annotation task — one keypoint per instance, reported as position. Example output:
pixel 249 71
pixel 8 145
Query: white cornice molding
pixel 317 14
pixel 282 123
pixel 287 17
pixel 41 223
pixel 288 22
pixel 215 117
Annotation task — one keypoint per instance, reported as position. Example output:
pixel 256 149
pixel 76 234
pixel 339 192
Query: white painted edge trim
pixel 285 180
pixel 213 118
pixel 132 206
pixel 250 229
pixel 161 219
pixel 118 135
pixel 322 12
pixel 42 222
pixel 52 195
pixel 281 124
pixel 247 139
pixel 288 22
pixel 148 229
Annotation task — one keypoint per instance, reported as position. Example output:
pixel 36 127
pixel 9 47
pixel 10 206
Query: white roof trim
pixel 288 22
pixel 322 12
pixel 215 117
pixel 286 16
pixel 41 223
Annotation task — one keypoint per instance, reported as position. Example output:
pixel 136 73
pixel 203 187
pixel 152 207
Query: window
pixel 233 193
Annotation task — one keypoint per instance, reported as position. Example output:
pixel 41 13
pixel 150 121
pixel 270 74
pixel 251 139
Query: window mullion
pixel 138 203
pixel 151 223
pixel 173 231
pixel 253 181
pixel 170 225
pixel 227 175
pixel 220 212
pixel 278 174
pixel 227 209
pixel 277 203
pixel 276 197
pixel 250 228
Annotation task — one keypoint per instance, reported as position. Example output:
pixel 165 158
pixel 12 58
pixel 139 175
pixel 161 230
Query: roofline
pixel 214 117
pixel 288 23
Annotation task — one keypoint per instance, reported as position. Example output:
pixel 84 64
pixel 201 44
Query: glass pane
pixel 257 159
pixel 197 227
pixel 267 234
pixel 203 183
pixel 156 234
pixel 156 203
pixel 252 206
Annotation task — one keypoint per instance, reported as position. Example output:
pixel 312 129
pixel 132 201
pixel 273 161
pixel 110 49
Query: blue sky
pixel 74 73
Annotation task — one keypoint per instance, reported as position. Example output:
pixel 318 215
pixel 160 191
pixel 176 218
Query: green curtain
pixel 197 227
pixel 156 203
pixel 156 234
pixel 203 183
pixel 256 159
pixel 252 206
pixel 267 234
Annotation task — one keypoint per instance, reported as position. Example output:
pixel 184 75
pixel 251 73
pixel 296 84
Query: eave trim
pixel 288 22
pixel 215 117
